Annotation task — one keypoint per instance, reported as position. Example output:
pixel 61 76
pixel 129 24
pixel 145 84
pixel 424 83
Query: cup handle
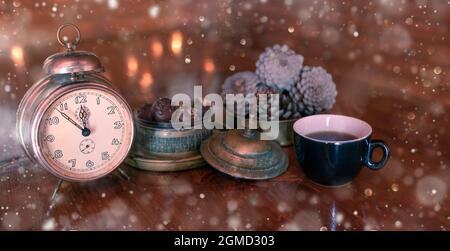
pixel 380 164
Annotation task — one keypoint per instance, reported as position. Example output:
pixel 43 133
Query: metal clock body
pixel 73 122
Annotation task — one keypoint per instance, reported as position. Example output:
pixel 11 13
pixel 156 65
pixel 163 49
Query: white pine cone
pixel 279 66
pixel 243 82
pixel 315 92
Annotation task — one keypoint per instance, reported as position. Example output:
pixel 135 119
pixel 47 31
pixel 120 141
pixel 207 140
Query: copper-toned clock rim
pixel 23 110
pixel 44 106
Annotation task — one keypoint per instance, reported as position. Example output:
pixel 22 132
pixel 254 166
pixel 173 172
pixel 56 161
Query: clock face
pixel 85 134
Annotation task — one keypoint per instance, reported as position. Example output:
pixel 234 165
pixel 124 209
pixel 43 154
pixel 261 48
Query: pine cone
pixel 288 109
pixel 271 109
pixel 243 82
pixel 145 112
pixel 161 110
pixel 193 115
pixel 279 66
pixel 315 92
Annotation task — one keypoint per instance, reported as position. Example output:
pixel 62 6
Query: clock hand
pixel 70 120
pixel 86 147
pixel 83 116
pixel 84 131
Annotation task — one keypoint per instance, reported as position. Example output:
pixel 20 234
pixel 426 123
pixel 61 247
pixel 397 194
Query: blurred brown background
pixel 389 59
pixel 392 48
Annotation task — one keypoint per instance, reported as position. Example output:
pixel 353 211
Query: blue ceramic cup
pixel 332 149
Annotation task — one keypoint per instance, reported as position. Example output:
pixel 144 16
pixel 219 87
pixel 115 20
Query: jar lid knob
pixel 69 45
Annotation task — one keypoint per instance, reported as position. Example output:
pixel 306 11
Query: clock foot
pixel 56 190
pixel 123 174
pixel 52 199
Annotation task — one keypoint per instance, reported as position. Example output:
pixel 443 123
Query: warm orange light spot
pixel 208 65
pixel 146 80
pixel 176 44
pixel 132 65
pixel 156 48
pixel 17 55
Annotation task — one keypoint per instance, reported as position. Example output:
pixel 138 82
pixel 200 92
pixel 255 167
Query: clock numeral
pixel 111 109
pixel 98 100
pixel 73 162
pixel 53 120
pixel 58 154
pixel 80 99
pixel 105 156
pixel 63 107
pixel 50 138
pixel 89 164
pixel 115 142
pixel 118 124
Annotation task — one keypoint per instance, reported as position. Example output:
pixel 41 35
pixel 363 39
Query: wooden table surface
pixel 390 62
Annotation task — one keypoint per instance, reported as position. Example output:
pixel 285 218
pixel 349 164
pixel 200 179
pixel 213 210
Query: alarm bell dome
pixel 72 62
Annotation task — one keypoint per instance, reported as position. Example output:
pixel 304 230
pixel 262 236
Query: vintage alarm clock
pixel 73 122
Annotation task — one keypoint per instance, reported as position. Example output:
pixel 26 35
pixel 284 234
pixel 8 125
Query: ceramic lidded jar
pixel 160 147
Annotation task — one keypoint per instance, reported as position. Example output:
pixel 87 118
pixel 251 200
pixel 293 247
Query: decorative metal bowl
pixel 160 147
pixel 285 135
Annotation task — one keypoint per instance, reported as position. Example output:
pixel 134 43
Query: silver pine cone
pixel 314 92
pixel 243 82
pixel 279 66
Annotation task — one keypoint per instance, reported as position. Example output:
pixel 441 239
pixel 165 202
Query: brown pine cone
pixel 144 112
pixel 193 115
pixel 161 110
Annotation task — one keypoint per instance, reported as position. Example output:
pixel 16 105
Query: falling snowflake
pixel 153 11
